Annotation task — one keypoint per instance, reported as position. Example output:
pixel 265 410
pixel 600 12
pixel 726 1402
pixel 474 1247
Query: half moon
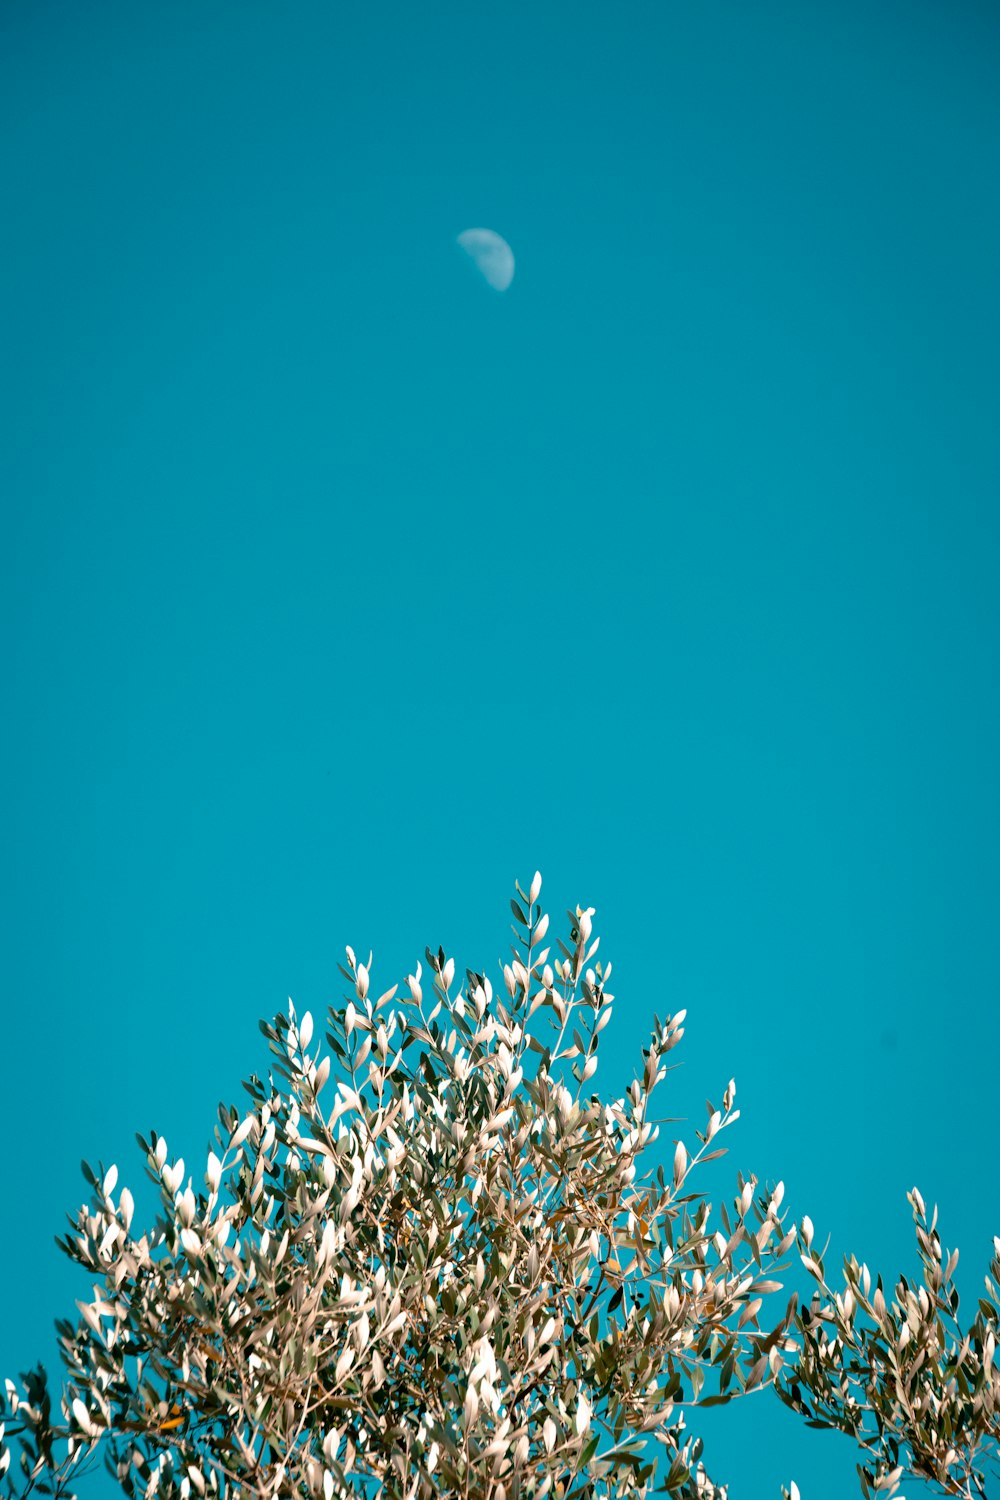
pixel 493 257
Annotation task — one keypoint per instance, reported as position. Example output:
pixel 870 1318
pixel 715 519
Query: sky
pixel 338 588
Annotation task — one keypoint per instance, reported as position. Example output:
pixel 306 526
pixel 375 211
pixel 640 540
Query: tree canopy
pixel 427 1261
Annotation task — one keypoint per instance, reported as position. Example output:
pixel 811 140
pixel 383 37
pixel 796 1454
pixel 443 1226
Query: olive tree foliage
pixel 919 1393
pixel 425 1263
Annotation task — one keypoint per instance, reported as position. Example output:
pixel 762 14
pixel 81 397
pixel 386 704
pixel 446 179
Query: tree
pixel 441 1273
pixel 915 1390
pixel 425 1263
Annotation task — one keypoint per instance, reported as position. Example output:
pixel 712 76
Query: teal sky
pixel 338 589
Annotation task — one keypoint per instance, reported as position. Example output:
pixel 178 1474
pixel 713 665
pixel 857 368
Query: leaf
pixel 588 1451
pixel 680 1163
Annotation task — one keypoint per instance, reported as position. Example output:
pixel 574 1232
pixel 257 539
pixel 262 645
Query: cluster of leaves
pixel 423 1263
pixel 916 1391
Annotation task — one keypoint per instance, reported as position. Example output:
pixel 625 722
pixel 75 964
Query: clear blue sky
pixel 337 589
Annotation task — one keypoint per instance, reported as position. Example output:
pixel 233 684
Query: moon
pixel 493 257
